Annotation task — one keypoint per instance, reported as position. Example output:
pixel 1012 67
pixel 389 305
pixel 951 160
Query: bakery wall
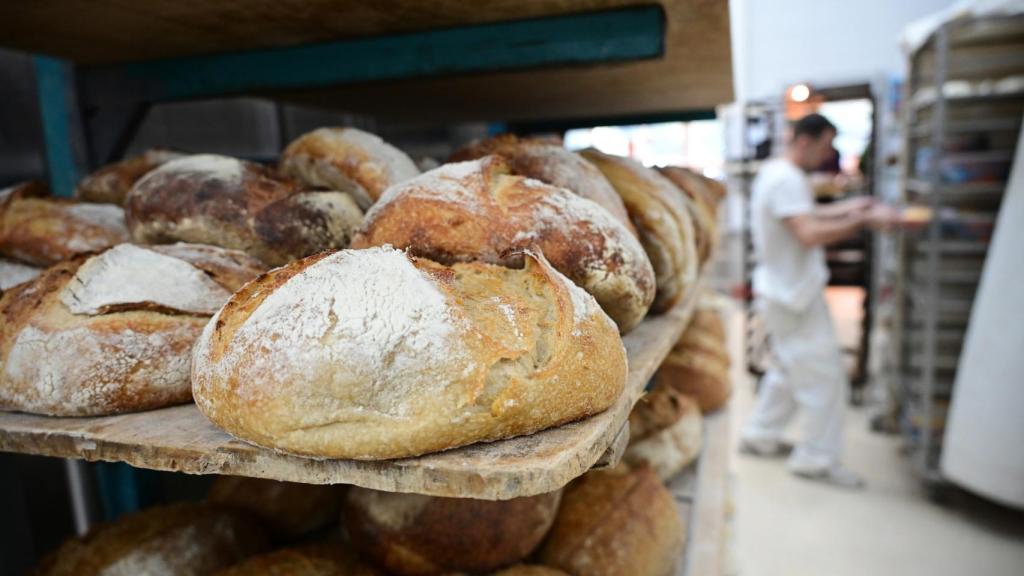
pixel 777 43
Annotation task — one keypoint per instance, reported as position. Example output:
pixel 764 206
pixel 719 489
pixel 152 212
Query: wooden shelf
pixel 181 439
pixel 701 493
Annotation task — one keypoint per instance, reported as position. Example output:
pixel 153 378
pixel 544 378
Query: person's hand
pixel 881 216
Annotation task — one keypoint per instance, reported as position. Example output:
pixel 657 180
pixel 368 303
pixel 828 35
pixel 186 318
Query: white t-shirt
pixel 786 272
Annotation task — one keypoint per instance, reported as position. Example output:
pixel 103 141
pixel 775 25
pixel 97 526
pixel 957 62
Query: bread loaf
pixel 477 210
pixel 175 540
pixel 548 161
pixel 698 364
pixel 702 207
pixel 328 558
pixel 415 535
pixel 288 509
pixel 372 354
pixel 530 570
pixel 41 231
pixel 13 273
pixel 616 522
pixel 662 221
pixel 349 160
pixel 112 332
pixel 665 432
pixel 111 183
pixel 210 199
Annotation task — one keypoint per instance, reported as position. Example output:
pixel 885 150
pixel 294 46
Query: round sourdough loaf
pixel 702 205
pixel 698 364
pixel 530 570
pixel 349 160
pixel 39 230
pixel 111 183
pixel 665 432
pixel 178 539
pixel 288 509
pixel 416 535
pixel 325 558
pixel 372 354
pixel 478 211
pixel 210 199
pixel 548 161
pixel 616 522
pixel 662 221
pixel 112 332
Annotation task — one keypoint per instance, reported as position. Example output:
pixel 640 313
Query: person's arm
pixel 843 208
pixel 812 229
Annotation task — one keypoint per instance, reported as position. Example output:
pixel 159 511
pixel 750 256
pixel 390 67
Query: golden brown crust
pixel 368 354
pixel 477 210
pixel 329 558
pixel 528 570
pixel 657 410
pixel 210 199
pixel 615 522
pixel 175 539
pixel 415 535
pixel 288 509
pixel 111 183
pixel 670 433
pixel 548 161
pixel 698 365
pixel 703 207
pixel 662 221
pixel 42 231
pixel 123 358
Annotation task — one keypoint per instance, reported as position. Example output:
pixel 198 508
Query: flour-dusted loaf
pixel 325 558
pixel 111 183
pixel 416 535
pixel 288 509
pixel 175 540
pixel 703 206
pixel 349 160
pixel 665 432
pixel 372 354
pixel 112 332
pixel 13 273
pixel 662 221
pixel 39 230
pixel 698 364
pixel 478 210
pixel 211 199
pixel 548 161
pixel 616 522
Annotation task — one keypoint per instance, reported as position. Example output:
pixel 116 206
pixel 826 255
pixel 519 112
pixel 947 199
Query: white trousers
pixel 807 374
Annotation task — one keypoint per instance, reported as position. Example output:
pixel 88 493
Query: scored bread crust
pixel 222 201
pixel 548 161
pixel 662 221
pixel 702 208
pixel 373 354
pixel 118 357
pixel 477 210
pixel 349 160
pixel 615 522
pixel 40 230
pixel 668 432
pixel 698 364
pixel 111 183
pixel 417 535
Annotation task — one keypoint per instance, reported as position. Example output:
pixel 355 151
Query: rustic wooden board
pixel 181 439
pixel 706 488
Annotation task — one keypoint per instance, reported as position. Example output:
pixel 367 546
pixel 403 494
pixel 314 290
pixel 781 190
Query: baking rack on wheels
pixel 965 100
pixel 101 68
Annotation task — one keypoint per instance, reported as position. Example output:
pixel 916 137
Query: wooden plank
pixel 181 439
pixel 709 487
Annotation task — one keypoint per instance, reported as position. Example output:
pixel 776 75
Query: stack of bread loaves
pixel 703 195
pixel 698 365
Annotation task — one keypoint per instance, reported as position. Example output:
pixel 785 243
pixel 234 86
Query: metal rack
pixel 966 96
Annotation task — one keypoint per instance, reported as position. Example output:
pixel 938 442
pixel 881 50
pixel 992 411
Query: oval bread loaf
pixel 288 509
pixel 327 558
pixel 40 230
pixel 416 535
pixel 111 183
pixel 372 354
pixel 665 432
pixel 112 332
pixel 703 211
pixel 662 221
pixel 616 522
pixel 210 199
pixel 698 364
pixel 477 210
pixel 349 160
pixel 548 161
pixel 175 540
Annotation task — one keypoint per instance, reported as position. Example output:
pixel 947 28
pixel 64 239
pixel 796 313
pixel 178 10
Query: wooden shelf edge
pixel 180 439
pixel 708 489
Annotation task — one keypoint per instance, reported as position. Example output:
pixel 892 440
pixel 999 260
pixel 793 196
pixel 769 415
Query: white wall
pixel 825 42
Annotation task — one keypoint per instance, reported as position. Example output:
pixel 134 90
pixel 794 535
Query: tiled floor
pixel 785 526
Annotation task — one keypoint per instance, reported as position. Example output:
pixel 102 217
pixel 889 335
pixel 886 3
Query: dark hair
pixel 812 125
